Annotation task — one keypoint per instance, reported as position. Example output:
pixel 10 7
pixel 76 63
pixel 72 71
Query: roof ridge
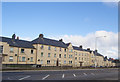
pixel 15 39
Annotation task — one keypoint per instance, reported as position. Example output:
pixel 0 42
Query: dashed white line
pixel 85 74
pixel 24 77
pixel 74 75
pixel 9 78
pixel 63 76
pixel 92 73
pixel 45 77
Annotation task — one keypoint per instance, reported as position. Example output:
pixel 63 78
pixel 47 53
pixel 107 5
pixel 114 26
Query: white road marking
pixel 92 73
pixel 24 77
pixel 9 78
pixel 63 76
pixel 74 75
pixel 85 74
pixel 45 77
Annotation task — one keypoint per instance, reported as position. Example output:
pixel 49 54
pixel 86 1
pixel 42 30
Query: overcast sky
pixel 75 22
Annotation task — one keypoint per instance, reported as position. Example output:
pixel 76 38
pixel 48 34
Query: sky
pixel 75 22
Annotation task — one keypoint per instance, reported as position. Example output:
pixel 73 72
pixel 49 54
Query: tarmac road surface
pixel 81 74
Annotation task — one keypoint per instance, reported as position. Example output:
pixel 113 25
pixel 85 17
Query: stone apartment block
pixel 48 52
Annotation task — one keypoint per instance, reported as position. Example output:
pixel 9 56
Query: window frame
pixel 1 48
pixel 11 59
pixel 31 59
pixel 48 54
pixel 49 47
pixel 24 60
pixel 41 54
pixel 23 50
pixel 60 55
pixel 11 49
pixel 64 61
pixel 42 46
pixel 64 55
pixel 54 55
pixel 32 51
pixel 48 61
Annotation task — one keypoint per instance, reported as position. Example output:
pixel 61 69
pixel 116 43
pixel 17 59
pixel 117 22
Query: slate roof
pixel 77 48
pixel 98 54
pixel 51 42
pixel 17 43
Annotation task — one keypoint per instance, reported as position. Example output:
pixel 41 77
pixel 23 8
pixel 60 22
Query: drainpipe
pixel 17 55
pixel 36 54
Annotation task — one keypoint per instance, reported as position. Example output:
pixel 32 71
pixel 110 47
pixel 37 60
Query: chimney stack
pixel 80 46
pixel 41 36
pixel 17 37
pixel 61 40
pixel 13 36
pixel 88 48
pixel 96 51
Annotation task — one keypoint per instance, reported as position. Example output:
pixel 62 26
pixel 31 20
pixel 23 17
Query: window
pixel 55 49
pixel 31 59
pixel 70 56
pixel 23 59
pixel 48 54
pixel 82 58
pixel 41 54
pixel 11 59
pixel 59 62
pixel 22 50
pixel 65 50
pixel 75 58
pixel 48 47
pixel 11 49
pixel 65 56
pixel 76 53
pixel 31 51
pixel 54 61
pixel 82 54
pixel 54 55
pixel 70 50
pixel 60 49
pixel 79 58
pixel 42 46
pixel 19 58
pixel 75 63
pixel 64 61
pixel 70 62
pixel 3 58
pixel 41 62
pixel 48 61
pixel 59 55
pixel 1 49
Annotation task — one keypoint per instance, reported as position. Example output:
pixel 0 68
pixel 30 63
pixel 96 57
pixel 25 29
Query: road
pixel 81 74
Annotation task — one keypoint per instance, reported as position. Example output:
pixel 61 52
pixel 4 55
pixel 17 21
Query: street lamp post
pixel 96 47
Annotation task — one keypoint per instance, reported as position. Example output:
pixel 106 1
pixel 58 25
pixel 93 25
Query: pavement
pixel 81 74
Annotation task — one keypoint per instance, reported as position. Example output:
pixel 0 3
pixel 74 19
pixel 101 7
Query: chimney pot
pixel 41 36
pixel 17 38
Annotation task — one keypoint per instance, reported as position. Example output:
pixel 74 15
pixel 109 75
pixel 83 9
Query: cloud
pixel 107 46
pixel 111 3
